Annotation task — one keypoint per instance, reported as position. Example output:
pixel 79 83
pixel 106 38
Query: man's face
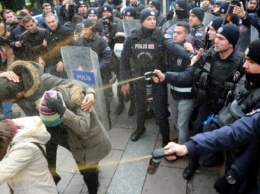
pixel 205 3
pixel 251 67
pixel 251 5
pixel 212 33
pixel 30 26
pixel 52 22
pixel 216 8
pixel 87 33
pixel 193 20
pixel 133 2
pixel 93 17
pixel 106 14
pixel 10 17
pixel 82 9
pixel 179 34
pixel 221 43
pixel 149 22
pixel 47 9
pixel 151 7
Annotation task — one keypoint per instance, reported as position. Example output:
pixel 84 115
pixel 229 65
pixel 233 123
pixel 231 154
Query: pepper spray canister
pixel 156 159
pixel 148 85
pixel 153 165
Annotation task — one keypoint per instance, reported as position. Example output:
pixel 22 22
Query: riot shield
pixel 168 26
pixel 78 62
pixel 208 17
pixel 130 25
pixel 246 36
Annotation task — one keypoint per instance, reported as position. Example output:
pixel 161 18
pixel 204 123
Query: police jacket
pixel 197 37
pixel 217 76
pixel 228 137
pixel 16 35
pixel 33 44
pixel 245 98
pixel 182 88
pixel 100 46
pixel 61 36
pixel 144 51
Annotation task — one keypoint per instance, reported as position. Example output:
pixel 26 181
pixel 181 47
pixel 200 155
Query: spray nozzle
pixel 149 74
pixel 161 153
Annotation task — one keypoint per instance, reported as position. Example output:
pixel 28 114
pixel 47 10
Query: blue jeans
pixel 7 109
pixel 181 113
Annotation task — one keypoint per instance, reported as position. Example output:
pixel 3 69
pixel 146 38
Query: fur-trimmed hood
pixel 29 73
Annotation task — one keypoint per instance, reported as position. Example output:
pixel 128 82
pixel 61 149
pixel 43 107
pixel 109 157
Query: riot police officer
pixel 220 68
pixel 143 52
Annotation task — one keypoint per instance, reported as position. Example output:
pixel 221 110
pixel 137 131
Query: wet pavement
pixel 124 170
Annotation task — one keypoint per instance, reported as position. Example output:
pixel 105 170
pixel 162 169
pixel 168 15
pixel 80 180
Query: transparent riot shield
pixel 169 25
pixel 78 62
pixel 244 38
pixel 130 25
pixel 208 17
pixel 253 33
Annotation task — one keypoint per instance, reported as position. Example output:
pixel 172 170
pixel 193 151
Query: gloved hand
pixel 55 104
pixel 222 186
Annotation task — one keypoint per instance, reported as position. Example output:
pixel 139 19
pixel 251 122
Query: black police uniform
pixel 143 52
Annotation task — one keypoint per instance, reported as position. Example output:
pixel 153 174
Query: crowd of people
pixel 203 55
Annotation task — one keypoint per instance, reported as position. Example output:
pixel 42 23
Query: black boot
pixel 120 108
pixel 131 111
pixel 191 169
pixel 137 133
pixel 214 160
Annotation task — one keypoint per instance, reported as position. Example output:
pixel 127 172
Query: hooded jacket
pixel 24 166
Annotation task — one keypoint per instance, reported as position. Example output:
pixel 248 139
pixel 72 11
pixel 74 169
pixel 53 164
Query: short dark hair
pixel 27 19
pixel 10 89
pixel 185 25
pixel 45 5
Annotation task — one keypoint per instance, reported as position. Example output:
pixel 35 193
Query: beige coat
pixel 24 166
pixel 87 137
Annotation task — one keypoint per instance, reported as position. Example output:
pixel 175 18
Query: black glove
pixel 55 104
pixel 222 186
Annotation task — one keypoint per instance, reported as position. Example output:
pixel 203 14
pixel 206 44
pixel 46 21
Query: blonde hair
pixel 2 29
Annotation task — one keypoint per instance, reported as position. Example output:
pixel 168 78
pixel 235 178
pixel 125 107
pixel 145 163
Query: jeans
pixel 181 113
pixel 7 109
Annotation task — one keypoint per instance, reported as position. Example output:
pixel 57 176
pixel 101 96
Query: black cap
pixel 107 7
pixel 156 4
pixel 198 12
pixel 253 51
pixel 21 15
pixel 88 23
pixel 130 11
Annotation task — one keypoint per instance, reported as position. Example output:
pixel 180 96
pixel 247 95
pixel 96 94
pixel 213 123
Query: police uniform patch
pixel 150 46
pixel 92 11
pixel 105 8
pixel 253 112
pixel 210 24
pixel 198 34
pixel 220 30
pixel 179 61
pixel 236 75
pixel 222 10
pixel 152 13
pixel 108 48
pixel 128 13
pixel 247 51
pixel 177 5
pixel 167 36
